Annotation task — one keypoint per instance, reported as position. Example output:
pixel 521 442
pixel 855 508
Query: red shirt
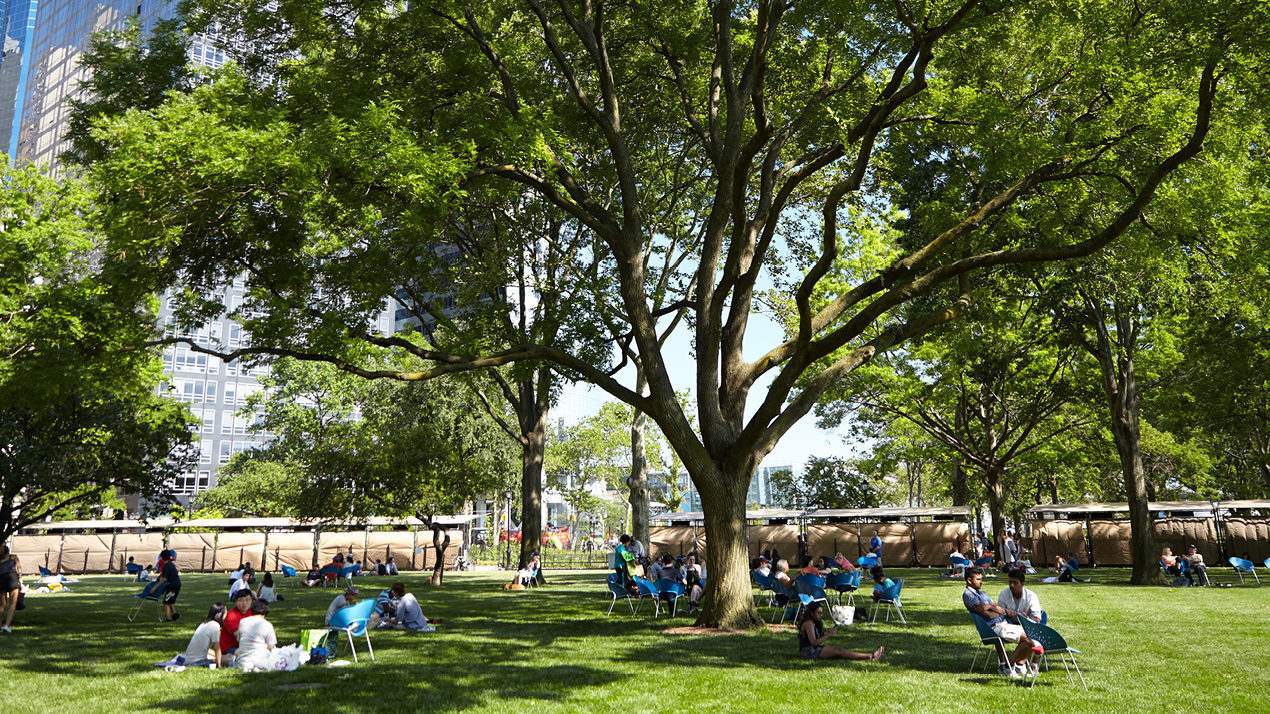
pixel 229 630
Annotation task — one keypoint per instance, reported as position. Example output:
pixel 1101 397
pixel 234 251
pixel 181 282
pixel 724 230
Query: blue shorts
pixel 811 652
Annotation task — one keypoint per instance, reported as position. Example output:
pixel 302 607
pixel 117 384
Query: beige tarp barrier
pixel 1054 538
pixel 1177 533
pixel 235 549
pixel 293 549
pixel 1110 541
pixel 426 557
pixel 330 543
pixel 34 551
pixel 700 543
pixel 781 539
pixel 833 538
pixel 935 541
pixel 676 540
pixel 194 551
pixel 86 553
pixel 398 544
pixel 144 547
pixel 1248 535
pixel 897 541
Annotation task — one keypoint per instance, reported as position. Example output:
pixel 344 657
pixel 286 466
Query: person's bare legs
pixel 1022 651
pixel 10 604
pixel 878 655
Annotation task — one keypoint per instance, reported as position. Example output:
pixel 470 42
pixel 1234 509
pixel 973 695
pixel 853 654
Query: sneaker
pixel 427 628
pixel 1005 668
pixel 176 616
pixel 6 630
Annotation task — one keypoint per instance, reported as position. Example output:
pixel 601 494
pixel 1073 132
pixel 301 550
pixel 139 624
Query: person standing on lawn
pixel 10 586
pixel 980 603
pixel 170 575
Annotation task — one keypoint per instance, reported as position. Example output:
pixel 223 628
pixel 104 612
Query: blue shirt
pixel 972 597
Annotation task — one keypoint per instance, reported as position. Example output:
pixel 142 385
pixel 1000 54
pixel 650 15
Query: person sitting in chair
pixel 313 579
pixel 526 575
pixel 980 603
pixel 1169 561
pixel 1017 598
pixel 782 585
pixel 1195 563
pixel 881 583
pixel 807 567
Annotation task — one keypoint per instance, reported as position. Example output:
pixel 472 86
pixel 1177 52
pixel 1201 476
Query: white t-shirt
pixel 255 637
pixel 1029 604
pixel 204 639
pixel 267 594
pixel 238 585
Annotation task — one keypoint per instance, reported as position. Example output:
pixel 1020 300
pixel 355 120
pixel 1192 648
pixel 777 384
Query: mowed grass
pixel 553 649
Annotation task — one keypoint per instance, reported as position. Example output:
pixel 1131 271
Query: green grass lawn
pixel 1146 649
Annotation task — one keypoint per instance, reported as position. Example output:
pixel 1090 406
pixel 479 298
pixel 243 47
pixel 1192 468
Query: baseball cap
pixel 351 590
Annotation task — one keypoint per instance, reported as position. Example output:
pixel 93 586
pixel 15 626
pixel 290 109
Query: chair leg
pixel 351 645
pixel 1079 673
pixel 612 604
pixel 369 649
pixel 1063 657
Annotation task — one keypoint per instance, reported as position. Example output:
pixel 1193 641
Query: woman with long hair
pixel 204 647
pixel 812 635
pixel 10 586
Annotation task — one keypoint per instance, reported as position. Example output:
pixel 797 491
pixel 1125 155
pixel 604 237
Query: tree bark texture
pixel 638 478
pixel 441 542
pixel 728 601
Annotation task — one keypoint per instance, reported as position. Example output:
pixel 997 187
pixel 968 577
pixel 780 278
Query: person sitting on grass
pixel 386 609
pixel 229 626
pixel 170 575
pixel 380 568
pixel 256 638
pixel 343 600
pixel 812 635
pixel 881 583
pixel 242 583
pixel 1019 599
pixel 409 614
pixel 268 592
pixel 313 579
pixel 204 647
pixel 980 603
pixel 392 567
pixel 1062 569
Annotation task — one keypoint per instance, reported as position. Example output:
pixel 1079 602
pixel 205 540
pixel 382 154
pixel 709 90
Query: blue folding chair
pixel 988 638
pixel 134 570
pixel 150 593
pixel 844 582
pixel 617 591
pixel 764 584
pixel 355 620
pixel 647 591
pixel 1052 642
pixel 959 563
pixel 868 561
pixel 1242 566
pixel 790 595
pixel 288 574
pixel 669 591
pixel 890 599
pixel 809 588
pixel 330 574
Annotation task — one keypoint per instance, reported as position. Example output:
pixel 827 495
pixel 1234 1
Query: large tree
pixel 79 417
pixel 355 128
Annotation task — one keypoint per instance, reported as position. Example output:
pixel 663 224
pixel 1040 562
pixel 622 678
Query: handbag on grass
pixel 842 615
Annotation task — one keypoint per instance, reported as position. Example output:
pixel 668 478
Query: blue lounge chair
pixel 330 574
pixel 647 590
pixel 844 582
pixel 617 591
pixel 1052 642
pixel 987 638
pixel 809 588
pixel 959 564
pixel 150 593
pixel 1242 566
pixel 669 591
pixel 354 620
pixel 288 574
pixel 890 599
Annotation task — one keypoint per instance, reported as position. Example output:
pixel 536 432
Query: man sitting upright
pixel 1019 599
pixel 980 603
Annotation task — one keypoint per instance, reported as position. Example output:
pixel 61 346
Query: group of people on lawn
pixel 242 635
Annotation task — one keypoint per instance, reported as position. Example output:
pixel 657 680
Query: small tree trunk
pixel 531 493
pixel 996 504
pixel 728 601
pixel 638 479
pixel 441 542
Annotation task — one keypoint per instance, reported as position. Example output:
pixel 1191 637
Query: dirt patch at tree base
pixel 693 630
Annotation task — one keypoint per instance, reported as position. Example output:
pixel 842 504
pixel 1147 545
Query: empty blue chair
pixel 868 561
pixel 890 599
pixel 617 591
pixel 789 594
pixel 149 593
pixel 844 582
pixel 647 591
pixel 288 574
pixel 1242 566
pixel 1267 563
pixel 355 620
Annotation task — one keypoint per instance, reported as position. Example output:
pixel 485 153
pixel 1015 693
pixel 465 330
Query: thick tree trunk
pixel 531 492
pixel 638 479
pixel 728 601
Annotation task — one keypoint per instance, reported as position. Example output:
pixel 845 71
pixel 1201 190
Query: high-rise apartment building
pixel 39 71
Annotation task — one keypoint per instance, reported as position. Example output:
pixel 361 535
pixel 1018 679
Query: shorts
pixel 810 652
pixel 1008 631
pixel 169 595
pixel 9 582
